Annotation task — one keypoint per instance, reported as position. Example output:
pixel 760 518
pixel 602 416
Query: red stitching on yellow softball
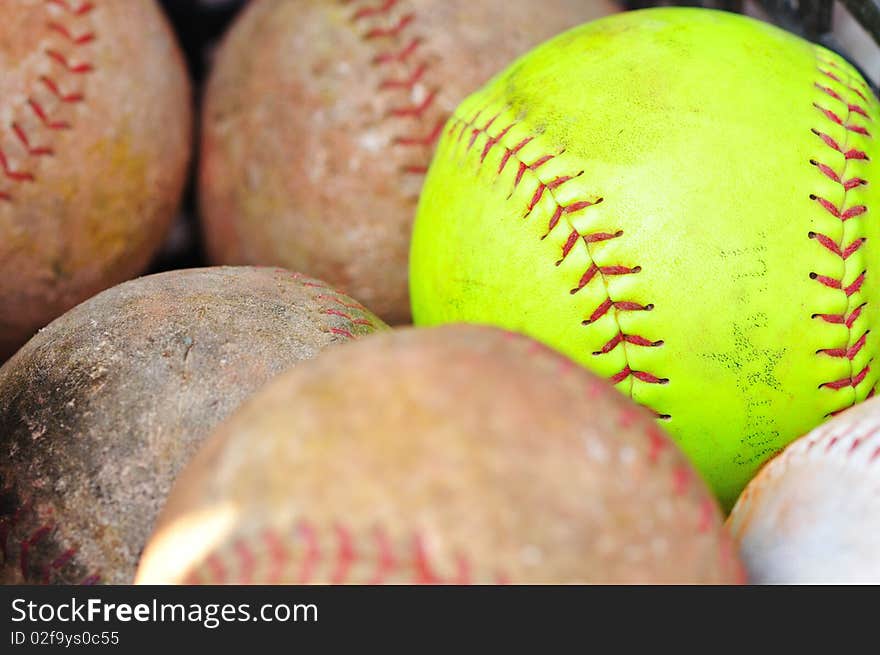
pixel 844 213
pixel 459 127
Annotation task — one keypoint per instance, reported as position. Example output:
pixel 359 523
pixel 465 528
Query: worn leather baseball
pixel 102 408
pixel 448 455
pixel 682 200
pixel 812 515
pixel 95 123
pixel 320 119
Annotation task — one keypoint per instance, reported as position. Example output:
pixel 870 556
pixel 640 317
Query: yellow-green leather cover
pixel 686 202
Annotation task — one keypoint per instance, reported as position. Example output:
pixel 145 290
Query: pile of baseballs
pixel 638 248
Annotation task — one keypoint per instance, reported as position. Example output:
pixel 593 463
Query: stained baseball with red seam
pixel 449 455
pixel 102 408
pixel 95 136
pixel 321 117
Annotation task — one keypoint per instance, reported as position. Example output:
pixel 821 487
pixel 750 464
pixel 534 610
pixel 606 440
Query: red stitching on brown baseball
pixel 217 569
pixel 247 560
pixel 414 110
pixel 400 56
pixel 386 562
pixel 277 556
pixel 35 568
pixel 392 31
pixel 336 312
pixel 366 12
pixel 424 571
pixel 25 548
pixel 57 563
pixel 336 552
pixel 76 39
pixel 77 10
pixel 47 122
pixel 12 174
pixel 33 151
pixel 411 78
pixel 707 512
pixel 682 476
pixel 657 441
pixel 336 299
pixel 332 297
pixel 76 68
pixel 345 555
pixel 407 83
pixel 425 141
pixel 312 554
pixel 73 38
pixel 53 87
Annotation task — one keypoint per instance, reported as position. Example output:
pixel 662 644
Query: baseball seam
pixel 404 53
pixel 341 556
pixel 324 294
pixel 609 306
pixel 47 564
pixel 26 562
pixel 67 67
pixel 682 478
pixel 828 69
pixel 376 556
pixel 19 173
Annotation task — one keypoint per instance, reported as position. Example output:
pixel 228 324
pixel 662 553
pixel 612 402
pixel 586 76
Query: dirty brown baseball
pixel 95 123
pixel 321 118
pixel 445 455
pixel 102 408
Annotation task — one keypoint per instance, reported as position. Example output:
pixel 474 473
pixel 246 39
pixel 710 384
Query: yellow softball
pixel 683 201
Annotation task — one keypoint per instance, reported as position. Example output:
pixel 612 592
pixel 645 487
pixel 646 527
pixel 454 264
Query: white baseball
pixel 812 515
